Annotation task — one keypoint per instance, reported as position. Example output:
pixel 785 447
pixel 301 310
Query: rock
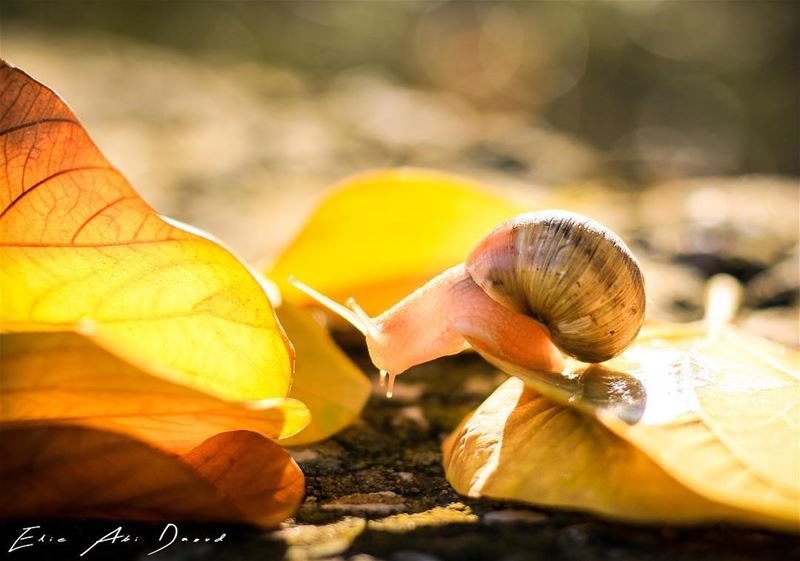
pixel 414 414
pixel 413 556
pixel 514 516
pixel 381 502
pixel 302 455
pixel 405 476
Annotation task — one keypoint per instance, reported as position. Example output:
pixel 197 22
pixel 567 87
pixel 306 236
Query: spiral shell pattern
pixel 568 272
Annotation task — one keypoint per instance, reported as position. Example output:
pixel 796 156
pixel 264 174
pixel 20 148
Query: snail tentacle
pixel 331 305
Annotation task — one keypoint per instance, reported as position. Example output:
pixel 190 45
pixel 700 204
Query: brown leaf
pixel 72 471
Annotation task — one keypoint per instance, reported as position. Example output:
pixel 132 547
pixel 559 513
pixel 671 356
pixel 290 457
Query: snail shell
pixel 568 272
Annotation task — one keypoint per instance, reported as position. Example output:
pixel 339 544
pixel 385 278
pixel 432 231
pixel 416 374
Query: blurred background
pixel 676 122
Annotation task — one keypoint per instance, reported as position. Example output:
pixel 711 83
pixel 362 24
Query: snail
pixel 539 285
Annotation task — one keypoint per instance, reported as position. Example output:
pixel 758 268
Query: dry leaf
pixel 325 379
pixel 382 234
pixel 689 424
pixel 128 344
pixel 72 471
pixel 255 475
pixel 518 445
pixel 79 249
pixel 52 378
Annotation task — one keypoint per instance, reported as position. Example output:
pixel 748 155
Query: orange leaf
pixel 256 475
pixel 67 378
pixel 80 250
pixel 76 471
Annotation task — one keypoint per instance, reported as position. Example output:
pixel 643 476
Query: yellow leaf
pixel 325 379
pixel 52 378
pixel 72 471
pixel 382 234
pixel 716 411
pixel 746 456
pixel 80 250
pixel 520 446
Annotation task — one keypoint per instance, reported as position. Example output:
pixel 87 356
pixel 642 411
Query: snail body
pixel 538 285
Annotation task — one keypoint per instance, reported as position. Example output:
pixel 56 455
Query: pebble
pixel 514 516
pixel 304 454
pixel 406 476
pixel 414 413
pixel 413 556
pixel 381 502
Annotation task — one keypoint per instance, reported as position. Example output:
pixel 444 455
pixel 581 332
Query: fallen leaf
pixel 333 388
pixel 379 235
pixel 255 475
pixel 134 349
pixel 690 424
pixel 80 250
pixel 52 378
pixel 72 471
pixel 519 445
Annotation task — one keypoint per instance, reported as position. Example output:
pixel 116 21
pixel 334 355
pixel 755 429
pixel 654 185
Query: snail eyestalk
pixel 333 306
pixel 363 317
pixel 355 316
